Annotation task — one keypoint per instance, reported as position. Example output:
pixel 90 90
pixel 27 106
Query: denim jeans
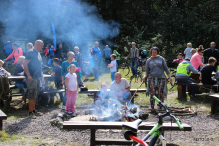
pixel 126 96
pixel 97 68
pixel 188 80
pixel 134 65
pixel 112 76
pixel 59 86
pixel 107 61
pixel 21 86
pixel 50 61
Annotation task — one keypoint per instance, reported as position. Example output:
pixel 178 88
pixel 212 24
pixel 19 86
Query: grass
pixel 13 117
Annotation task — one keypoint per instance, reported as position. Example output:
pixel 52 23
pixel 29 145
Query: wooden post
pixel 182 92
pixel 92 137
pixel 1 124
pixel 133 100
pixel 212 106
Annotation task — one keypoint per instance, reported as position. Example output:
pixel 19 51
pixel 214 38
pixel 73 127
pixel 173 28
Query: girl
pixel 72 87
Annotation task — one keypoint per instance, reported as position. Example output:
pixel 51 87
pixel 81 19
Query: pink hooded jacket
pixel 196 60
pixel 16 53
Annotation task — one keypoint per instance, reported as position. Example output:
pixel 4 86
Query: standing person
pixel 106 55
pixel 112 66
pixel 33 72
pixel 117 54
pixel 187 51
pixel 196 59
pixel 78 56
pixel 57 73
pixel 71 89
pixel 97 70
pixel 29 46
pixel 17 52
pixel 212 52
pixel 8 50
pixel 58 52
pixel 193 51
pixel 183 72
pixel 47 49
pixel 51 55
pixel 155 67
pixel 133 54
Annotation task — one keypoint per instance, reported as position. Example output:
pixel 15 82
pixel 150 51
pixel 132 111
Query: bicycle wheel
pixel 124 69
pixel 173 77
pixel 135 81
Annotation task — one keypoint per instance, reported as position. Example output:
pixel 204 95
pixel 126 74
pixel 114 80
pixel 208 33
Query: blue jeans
pixel 50 61
pixel 107 61
pixel 134 65
pixel 126 96
pixel 97 70
pixel 188 80
pixel 21 86
pixel 112 76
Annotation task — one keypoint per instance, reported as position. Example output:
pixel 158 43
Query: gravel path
pixel 205 130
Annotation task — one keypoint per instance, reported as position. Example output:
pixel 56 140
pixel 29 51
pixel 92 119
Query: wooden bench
pixel 93 126
pixel 214 102
pixel 45 92
pixel 93 93
pixel 3 116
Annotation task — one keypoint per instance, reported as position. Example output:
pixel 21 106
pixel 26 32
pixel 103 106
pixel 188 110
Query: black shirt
pixel 211 53
pixel 206 74
pixel 18 69
pixel 34 66
pixel 58 72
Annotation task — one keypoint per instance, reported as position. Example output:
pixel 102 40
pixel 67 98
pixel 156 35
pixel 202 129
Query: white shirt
pixel 115 88
pixel 72 82
pixel 3 72
pixel 113 64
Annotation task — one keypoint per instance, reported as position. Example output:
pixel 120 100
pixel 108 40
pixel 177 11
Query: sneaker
pixel 69 112
pixel 32 116
pixel 36 113
pixel 86 80
pixel 63 107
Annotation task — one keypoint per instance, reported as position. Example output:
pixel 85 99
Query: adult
pixel 65 65
pixel 212 52
pixel 17 52
pixel 106 55
pixel 120 89
pixel 47 49
pixel 117 54
pixel 58 52
pixel 8 50
pixel 187 51
pixel 97 70
pixel 155 67
pixel 193 51
pixel 51 53
pixel 29 46
pixel 133 54
pixel 33 72
pixel 196 59
pixel 183 72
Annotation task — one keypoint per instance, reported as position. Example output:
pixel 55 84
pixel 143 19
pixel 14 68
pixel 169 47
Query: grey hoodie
pixel 189 69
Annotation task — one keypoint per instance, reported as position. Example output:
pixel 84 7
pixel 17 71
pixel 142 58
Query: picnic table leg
pixel 95 95
pixel 182 92
pixel 1 124
pixel 212 106
pixel 133 100
pixel 92 137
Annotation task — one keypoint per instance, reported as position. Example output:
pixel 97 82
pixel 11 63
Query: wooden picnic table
pixel 2 117
pixel 93 126
pixel 214 102
pixel 23 77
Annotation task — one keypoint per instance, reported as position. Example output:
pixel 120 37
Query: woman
pixel 196 59
pixel 155 67
pixel 29 46
pixel 19 71
pixel 17 52
pixel 65 65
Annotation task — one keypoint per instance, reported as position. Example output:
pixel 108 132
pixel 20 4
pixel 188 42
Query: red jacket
pixel 16 53
pixel 46 51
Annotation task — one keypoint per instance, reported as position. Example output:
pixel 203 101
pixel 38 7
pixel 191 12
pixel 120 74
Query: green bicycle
pixel 155 131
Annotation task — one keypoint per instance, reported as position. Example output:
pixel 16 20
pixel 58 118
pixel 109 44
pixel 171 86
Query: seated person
pixel 179 58
pixel 2 70
pixel 207 71
pixel 102 96
pixel 183 73
pixel 120 89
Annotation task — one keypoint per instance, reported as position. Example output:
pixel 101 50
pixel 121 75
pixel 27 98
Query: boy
pixel 112 66
pixel 56 72
pixel 2 70
pixel 207 70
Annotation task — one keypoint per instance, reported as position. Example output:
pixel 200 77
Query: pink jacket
pixel 16 53
pixel 196 60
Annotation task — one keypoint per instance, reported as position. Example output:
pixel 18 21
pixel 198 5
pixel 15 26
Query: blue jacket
pixel 107 52
pixel 65 66
pixel 98 52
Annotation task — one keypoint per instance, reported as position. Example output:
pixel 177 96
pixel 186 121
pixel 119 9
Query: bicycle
pixel 132 128
pixel 173 77
pixel 124 68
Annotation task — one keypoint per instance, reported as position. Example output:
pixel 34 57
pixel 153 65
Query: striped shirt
pixel 133 53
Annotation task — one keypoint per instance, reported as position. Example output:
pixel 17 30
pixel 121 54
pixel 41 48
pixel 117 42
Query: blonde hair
pixel 193 50
pixel 71 66
pixel 70 53
pixel 29 45
pixel 1 61
pixel 76 48
pixel 20 59
pixel 189 44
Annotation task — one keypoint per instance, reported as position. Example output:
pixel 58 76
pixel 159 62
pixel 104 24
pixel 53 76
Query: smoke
pixel 75 21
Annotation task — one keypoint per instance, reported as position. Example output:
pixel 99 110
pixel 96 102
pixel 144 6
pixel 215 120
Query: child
pixel 56 72
pixel 112 66
pixel 102 96
pixel 2 70
pixel 179 58
pixel 71 89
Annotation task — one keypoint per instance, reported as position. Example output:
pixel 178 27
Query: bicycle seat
pixel 133 126
pixel 171 69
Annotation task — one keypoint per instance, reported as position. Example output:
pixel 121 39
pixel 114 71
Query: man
pixel 212 52
pixel 106 55
pixel 33 72
pixel 120 89
pixel 187 51
pixel 98 57
pixel 58 52
pixel 117 54
pixel 8 50
pixel 183 72
pixel 133 54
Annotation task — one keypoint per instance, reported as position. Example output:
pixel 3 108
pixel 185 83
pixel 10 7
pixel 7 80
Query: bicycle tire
pixel 124 69
pixel 173 84
pixel 135 80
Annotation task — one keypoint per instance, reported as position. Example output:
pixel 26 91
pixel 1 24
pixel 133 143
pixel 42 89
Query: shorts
pixel 33 88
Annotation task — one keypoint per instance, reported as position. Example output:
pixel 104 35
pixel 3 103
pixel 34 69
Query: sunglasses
pixel 154 48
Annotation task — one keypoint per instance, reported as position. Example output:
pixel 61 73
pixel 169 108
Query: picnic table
pixel 23 77
pixel 214 102
pixel 2 117
pixel 93 126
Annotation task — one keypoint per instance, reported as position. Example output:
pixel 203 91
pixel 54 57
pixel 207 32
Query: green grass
pixel 4 136
pixel 13 117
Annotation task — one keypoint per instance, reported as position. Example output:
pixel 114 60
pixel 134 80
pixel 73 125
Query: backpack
pixel 8 50
pixel 51 52
pixel 143 53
